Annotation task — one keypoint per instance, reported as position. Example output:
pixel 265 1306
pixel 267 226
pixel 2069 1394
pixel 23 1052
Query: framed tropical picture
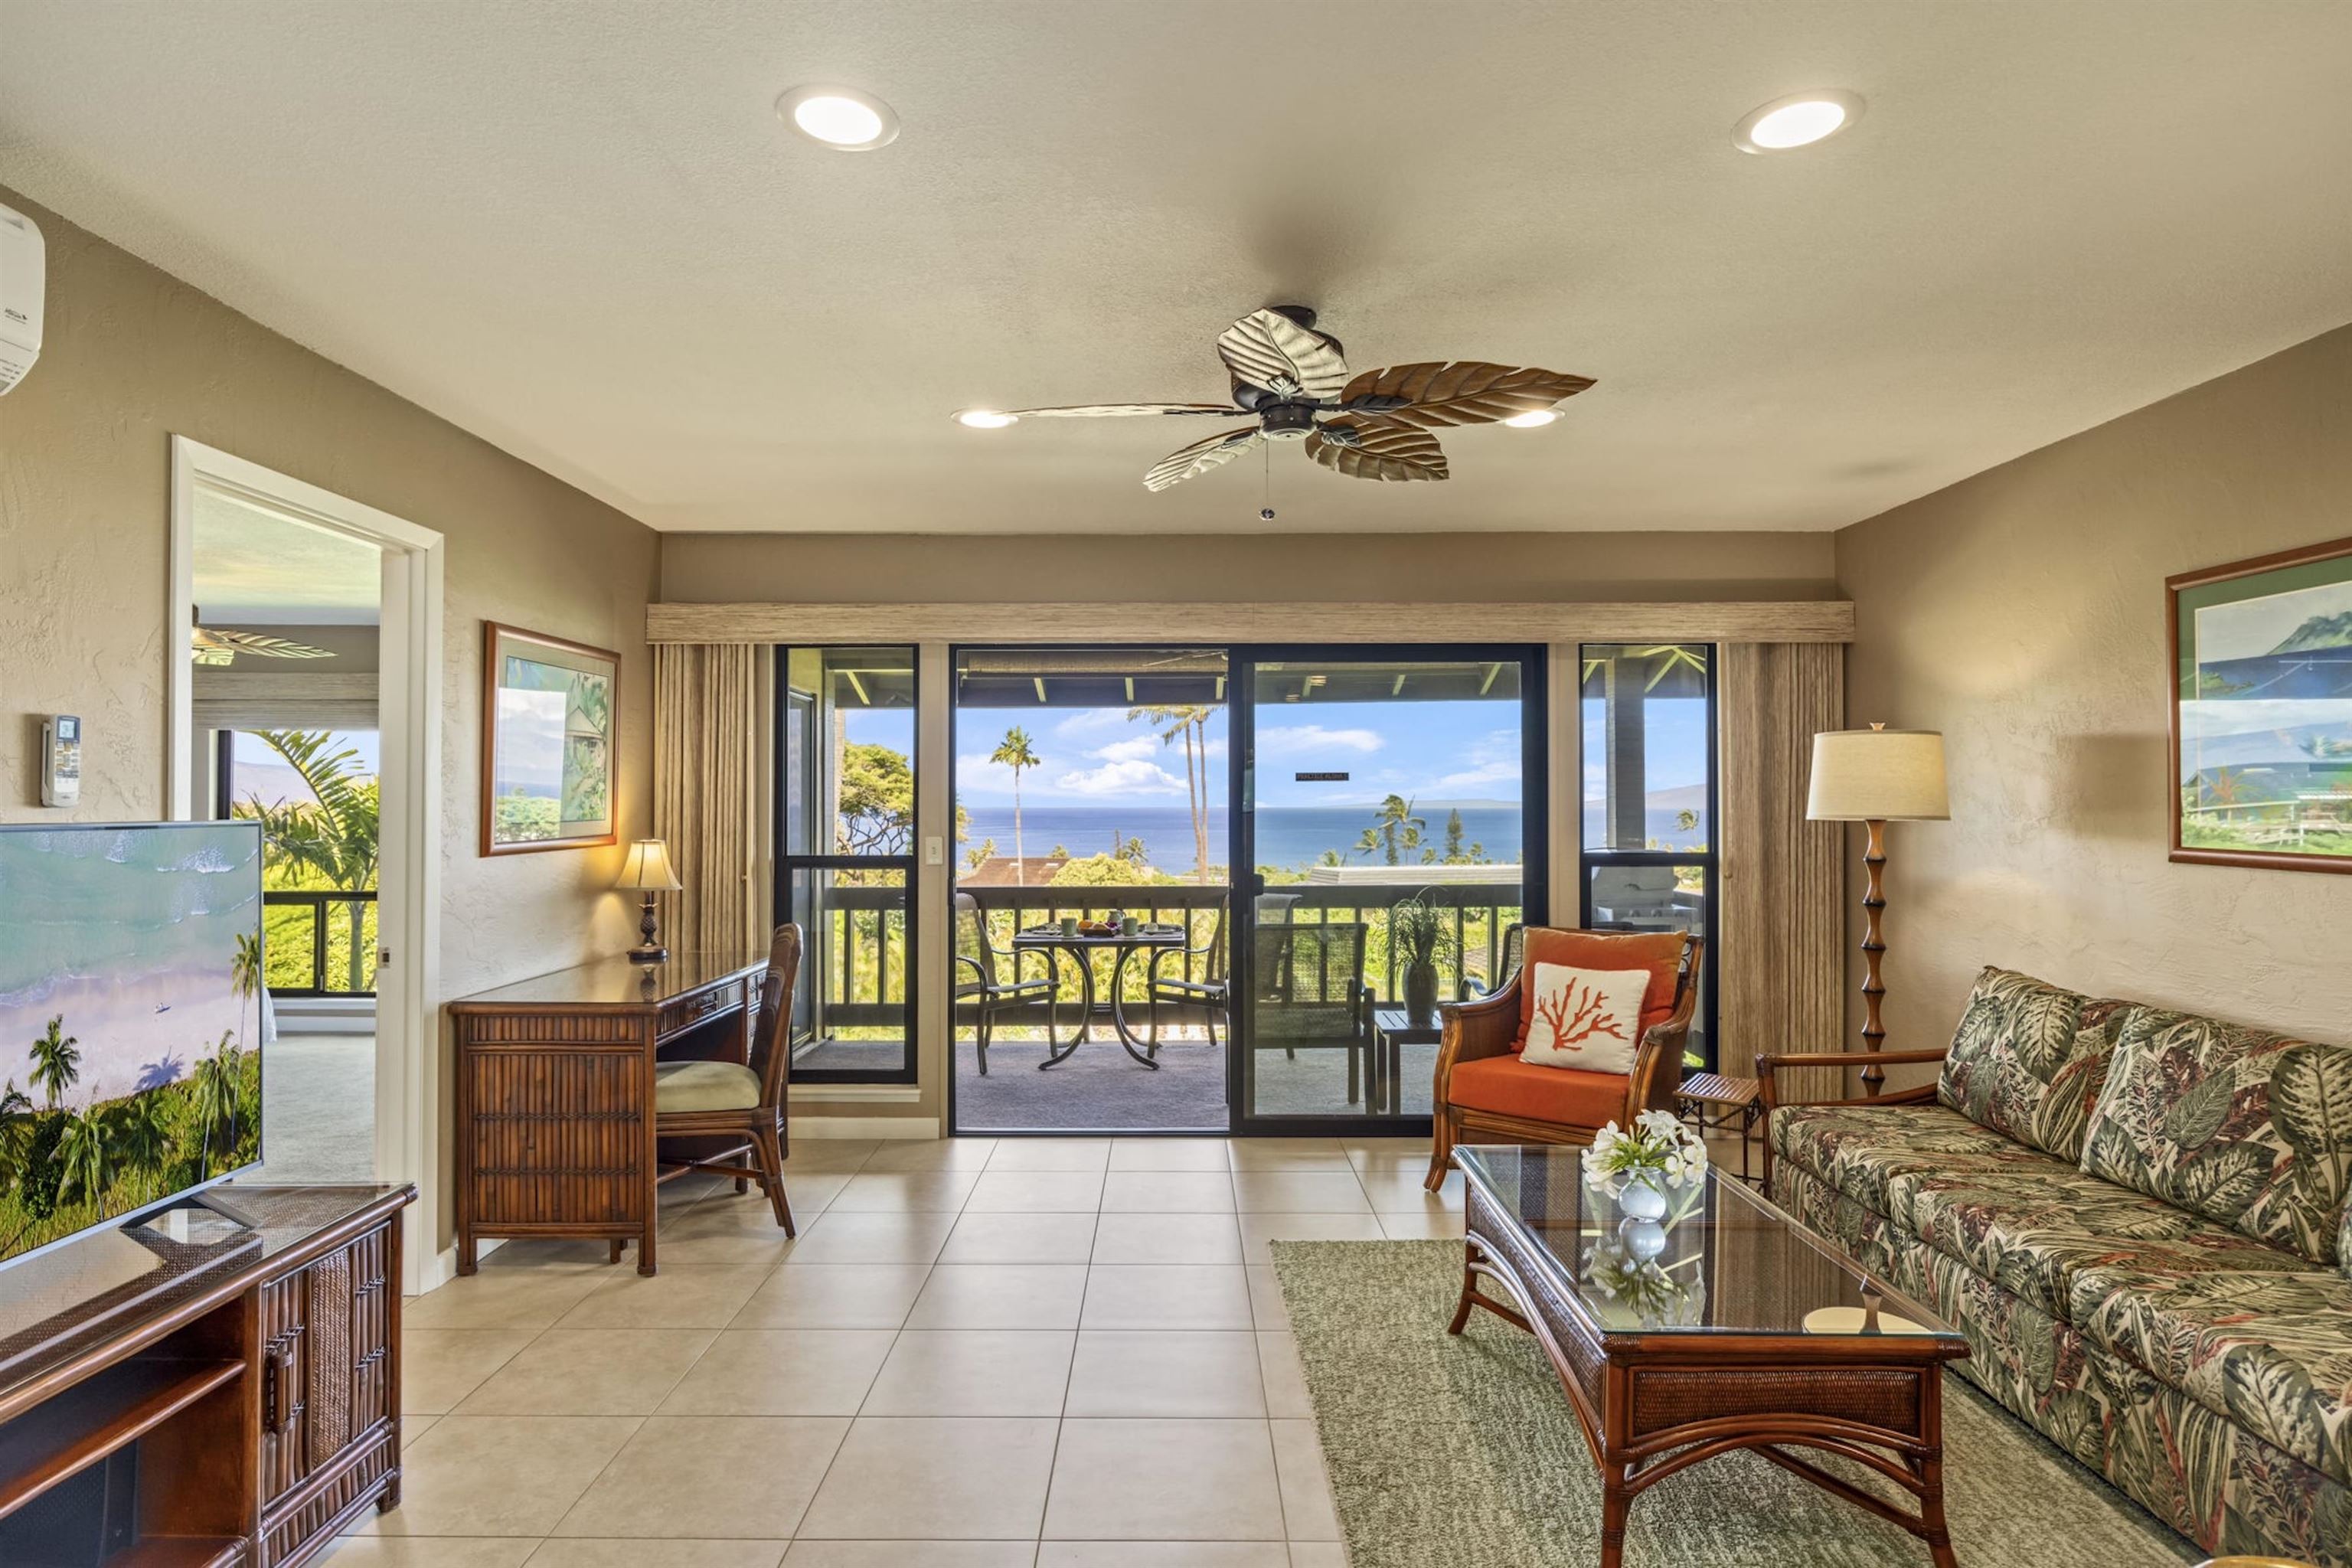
pixel 548 708
pixel 2262 711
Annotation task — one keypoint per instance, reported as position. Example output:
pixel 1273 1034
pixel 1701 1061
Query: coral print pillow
pixel 1586 1018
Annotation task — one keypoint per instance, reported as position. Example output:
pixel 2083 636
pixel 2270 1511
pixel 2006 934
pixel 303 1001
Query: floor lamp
pixel 1875 777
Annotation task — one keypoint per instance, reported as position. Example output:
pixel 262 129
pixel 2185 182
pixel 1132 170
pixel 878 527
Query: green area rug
pixel 1464 1452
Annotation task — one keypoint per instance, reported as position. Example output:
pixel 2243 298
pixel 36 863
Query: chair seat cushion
pixel 2271 1352
pixel 1564 1096
pixel 2033 1227
pixel 705 1086
pixel 1857 1150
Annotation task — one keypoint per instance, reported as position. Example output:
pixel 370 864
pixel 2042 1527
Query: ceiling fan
pixel 1292 382
pixel 214 649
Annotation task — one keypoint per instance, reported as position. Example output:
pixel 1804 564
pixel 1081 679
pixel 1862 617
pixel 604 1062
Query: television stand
pixel 230 1401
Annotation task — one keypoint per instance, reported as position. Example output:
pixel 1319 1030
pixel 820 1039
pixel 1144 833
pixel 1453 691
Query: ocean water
pixel 1288 837
pixel 130 936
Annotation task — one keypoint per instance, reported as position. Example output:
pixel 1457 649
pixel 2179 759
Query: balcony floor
pixel 318 1108
pixel 1100 1089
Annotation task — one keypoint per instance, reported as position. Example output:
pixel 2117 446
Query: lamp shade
pixel 647 868
pixel 1878 776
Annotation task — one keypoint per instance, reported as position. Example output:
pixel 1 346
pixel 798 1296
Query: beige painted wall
pixel 2021 612
pixel 1450 568
pixel 132 357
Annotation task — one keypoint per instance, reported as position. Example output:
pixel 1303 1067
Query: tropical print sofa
pixel 2137 1217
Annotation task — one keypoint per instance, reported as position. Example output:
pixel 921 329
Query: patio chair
pixel 1212 992
pixel 1507 966
pixel 988 983
pixel 1311 994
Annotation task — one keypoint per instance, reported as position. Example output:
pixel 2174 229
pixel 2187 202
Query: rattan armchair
pixel 1554 1105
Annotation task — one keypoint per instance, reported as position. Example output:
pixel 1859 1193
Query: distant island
pixel 2320 631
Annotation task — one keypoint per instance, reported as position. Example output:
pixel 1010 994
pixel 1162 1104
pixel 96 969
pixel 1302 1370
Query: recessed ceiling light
pixel 1532 419
pixel 986 418
pixel 840 117
pixel 1798 119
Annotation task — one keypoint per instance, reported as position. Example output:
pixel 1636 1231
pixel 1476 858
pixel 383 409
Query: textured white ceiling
pixel 580 230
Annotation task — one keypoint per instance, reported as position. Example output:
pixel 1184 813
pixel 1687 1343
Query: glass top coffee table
pixel 1721 1325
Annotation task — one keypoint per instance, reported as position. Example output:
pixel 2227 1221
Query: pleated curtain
pixel 707 794
pixel 1783 922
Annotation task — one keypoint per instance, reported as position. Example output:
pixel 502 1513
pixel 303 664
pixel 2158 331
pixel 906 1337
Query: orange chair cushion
pixel 1567 1096
pixel 1660 952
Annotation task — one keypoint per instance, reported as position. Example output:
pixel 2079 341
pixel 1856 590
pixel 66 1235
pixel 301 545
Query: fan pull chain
pixel 1266 509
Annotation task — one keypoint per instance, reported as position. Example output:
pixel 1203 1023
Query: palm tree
pixel 1189 722
pixel 1015 752
pixel 15 1132
pixel 215 1100
pixel 334 836
pixel 86 1152
pixel 145 1140
pixel 245 974
pixel 1397 829
pixel 56 1061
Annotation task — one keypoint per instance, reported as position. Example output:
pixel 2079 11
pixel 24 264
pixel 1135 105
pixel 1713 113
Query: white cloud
pixel 1088 720
pixel 1130 777
pixel 1286 738
pixel 1142 748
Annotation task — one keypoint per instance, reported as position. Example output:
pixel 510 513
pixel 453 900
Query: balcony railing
pixel 1478 914
pixel 318 943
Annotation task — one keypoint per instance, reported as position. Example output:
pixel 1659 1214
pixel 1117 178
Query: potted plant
pixel 1420 937
pixel 1641 1164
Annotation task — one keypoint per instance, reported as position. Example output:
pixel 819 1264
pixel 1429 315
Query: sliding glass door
pixel 1388 805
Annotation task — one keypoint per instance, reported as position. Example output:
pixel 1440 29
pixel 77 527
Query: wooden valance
pixel 1777 621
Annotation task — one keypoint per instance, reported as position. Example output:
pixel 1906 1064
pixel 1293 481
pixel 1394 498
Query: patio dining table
pixel 1083 946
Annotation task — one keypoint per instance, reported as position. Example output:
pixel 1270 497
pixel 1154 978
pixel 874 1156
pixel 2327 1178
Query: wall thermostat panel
pixel 60 760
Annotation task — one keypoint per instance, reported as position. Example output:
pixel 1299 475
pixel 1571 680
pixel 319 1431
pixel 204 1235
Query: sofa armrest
pixel 1768 1065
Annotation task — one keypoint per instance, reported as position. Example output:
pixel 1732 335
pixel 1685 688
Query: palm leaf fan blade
pixel 1264 348
pixel 1465 392
pixel 1123 410
pixel 1185 462
pixel 1378 449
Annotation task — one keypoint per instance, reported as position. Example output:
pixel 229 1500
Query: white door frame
pixel 408 722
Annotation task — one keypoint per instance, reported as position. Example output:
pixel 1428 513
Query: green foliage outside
pixel 328 844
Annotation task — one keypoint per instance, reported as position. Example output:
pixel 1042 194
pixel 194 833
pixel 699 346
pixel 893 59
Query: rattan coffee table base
pixel 1651 1405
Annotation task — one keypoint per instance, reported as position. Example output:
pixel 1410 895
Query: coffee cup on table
pixel 1128 925
pixel 1069 925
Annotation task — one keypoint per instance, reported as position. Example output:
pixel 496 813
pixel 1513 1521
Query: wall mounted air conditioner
pixel 23 277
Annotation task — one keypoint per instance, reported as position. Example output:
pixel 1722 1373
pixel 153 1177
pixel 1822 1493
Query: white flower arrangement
pixel 1659 1146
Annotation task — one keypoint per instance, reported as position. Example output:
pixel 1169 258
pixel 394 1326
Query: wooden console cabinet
pixel 230 1399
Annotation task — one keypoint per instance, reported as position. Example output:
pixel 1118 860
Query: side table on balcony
pixel 1393 1028
pixel 1715 1104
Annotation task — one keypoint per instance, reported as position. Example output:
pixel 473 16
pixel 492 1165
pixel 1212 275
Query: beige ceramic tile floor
pixel 1063 1352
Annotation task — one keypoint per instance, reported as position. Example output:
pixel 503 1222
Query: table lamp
pixel 648 871
pixel 1875 777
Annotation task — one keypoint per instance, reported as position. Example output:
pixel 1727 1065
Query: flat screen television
pixel 130 1007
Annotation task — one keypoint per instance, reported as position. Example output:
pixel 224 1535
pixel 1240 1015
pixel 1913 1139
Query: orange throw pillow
pixel 1660 952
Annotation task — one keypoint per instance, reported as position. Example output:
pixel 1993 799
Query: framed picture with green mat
pixel 2262 711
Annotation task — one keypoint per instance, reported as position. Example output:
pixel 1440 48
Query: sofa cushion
pixel 1856 1149
pixel 2249 1128
pixel 1567 1097
pixel 2029 1059
pixel 2031 1228
pixel 2272 1352
pixel 1660 952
